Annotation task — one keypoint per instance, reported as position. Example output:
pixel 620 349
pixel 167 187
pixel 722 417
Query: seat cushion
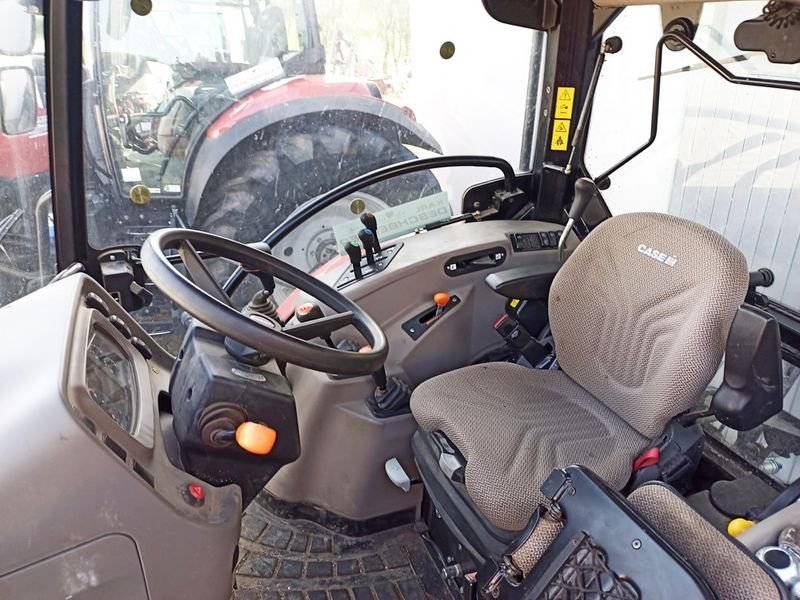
pixel 514 425
pixel 728 566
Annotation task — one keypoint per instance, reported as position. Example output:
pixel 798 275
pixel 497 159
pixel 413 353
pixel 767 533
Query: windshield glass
pixel 226 115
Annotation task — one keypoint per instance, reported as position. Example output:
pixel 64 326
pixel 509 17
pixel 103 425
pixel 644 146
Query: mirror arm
pixel 682 41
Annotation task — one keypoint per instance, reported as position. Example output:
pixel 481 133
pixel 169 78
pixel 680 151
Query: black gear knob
pixel 353 250
pixel 585 190
pixel 370 222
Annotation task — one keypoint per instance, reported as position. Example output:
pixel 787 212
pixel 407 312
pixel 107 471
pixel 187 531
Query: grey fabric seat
pixel 640 314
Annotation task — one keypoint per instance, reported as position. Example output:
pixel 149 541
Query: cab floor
pixel 300 560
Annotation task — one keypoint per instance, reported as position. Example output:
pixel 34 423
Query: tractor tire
pixel 262 180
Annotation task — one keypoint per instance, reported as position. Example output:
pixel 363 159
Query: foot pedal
pixel 397 474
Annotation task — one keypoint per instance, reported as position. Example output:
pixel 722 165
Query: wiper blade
pixel 7 222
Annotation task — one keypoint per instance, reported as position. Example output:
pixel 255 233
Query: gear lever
pixel 371 223
pixel 390 396
pixel 585 190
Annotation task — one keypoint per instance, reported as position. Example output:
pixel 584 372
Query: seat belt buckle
pixel 648 458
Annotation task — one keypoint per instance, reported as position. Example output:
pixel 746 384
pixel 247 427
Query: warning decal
pixel 565 98
pixel 560 134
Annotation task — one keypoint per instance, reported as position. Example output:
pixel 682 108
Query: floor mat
pixel 300 560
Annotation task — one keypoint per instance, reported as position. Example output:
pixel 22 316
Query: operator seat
pixel 640 314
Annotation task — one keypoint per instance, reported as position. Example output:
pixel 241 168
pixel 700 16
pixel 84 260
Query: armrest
pixel 531 282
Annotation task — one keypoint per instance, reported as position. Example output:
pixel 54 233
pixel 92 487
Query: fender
pixel 294 98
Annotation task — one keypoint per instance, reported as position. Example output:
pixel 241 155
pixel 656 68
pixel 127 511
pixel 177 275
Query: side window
pixel 726 156
pixel 27 241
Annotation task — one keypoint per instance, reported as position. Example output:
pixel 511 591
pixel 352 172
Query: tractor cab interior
pixel 525 397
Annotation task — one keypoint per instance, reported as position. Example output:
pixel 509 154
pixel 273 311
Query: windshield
pixel 227 115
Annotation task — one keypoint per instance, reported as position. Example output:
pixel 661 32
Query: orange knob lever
pixel 256 438
pixel 441 299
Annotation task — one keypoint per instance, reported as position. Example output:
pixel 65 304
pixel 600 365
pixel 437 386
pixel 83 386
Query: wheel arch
pixel 384 117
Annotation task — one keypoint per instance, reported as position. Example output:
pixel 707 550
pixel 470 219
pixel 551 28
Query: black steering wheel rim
pixel 232 323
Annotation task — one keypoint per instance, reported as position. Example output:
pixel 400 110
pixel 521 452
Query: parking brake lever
pixel 585 189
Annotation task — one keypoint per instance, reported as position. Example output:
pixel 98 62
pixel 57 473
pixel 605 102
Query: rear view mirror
pixel 16 28
pixel 533 14
pixel 118 19
pixel 17 100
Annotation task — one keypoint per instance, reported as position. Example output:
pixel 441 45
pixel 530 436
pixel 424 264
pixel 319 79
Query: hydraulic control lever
pixel 585 190
pixel 371 223
pixel 369 241
pixel 353 250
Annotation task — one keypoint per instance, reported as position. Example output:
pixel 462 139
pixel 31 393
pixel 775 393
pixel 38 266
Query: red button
pixel 197 492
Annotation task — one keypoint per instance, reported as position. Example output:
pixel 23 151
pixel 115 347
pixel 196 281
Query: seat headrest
pixel 640 314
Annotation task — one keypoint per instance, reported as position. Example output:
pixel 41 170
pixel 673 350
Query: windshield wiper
pixel 7 222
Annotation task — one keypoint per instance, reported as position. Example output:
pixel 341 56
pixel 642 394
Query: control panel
pixel 542 240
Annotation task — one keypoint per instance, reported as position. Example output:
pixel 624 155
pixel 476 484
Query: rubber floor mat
pixel 300 560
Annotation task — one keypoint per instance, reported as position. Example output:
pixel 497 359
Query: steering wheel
pixel 201 296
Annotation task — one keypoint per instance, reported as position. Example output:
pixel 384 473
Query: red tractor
pixel 236 133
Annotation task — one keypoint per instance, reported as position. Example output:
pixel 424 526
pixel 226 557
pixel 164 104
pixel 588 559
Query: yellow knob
pixel 738 526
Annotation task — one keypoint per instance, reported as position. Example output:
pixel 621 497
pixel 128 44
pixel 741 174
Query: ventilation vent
pixel 143 473
pixel 89 424
pixel 116 448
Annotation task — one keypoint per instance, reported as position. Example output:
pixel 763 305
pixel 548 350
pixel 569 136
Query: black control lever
pixel 585 190
pixel 353 250
pixel 371 223
pixel 310 311
pixel 367 239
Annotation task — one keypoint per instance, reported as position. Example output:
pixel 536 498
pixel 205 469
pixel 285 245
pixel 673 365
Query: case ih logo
pixel 656 255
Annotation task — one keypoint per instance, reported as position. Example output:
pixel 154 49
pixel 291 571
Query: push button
pixel 120 325
pixel 94 301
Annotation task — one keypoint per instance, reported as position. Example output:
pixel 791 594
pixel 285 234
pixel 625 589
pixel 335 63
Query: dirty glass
pixel 726 156
pixel 27 245
pixel 227 115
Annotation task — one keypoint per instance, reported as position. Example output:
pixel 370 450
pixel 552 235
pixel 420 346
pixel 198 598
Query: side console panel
pixel 75 484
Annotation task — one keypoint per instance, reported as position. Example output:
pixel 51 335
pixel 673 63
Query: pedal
pixel 397 474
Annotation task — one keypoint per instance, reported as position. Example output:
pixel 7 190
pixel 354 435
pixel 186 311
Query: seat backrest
pixel 641 311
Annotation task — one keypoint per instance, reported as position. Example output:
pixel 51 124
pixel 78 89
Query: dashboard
pixel 110 380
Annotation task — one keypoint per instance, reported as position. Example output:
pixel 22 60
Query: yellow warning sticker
pixel 564 99
pixel 560 139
